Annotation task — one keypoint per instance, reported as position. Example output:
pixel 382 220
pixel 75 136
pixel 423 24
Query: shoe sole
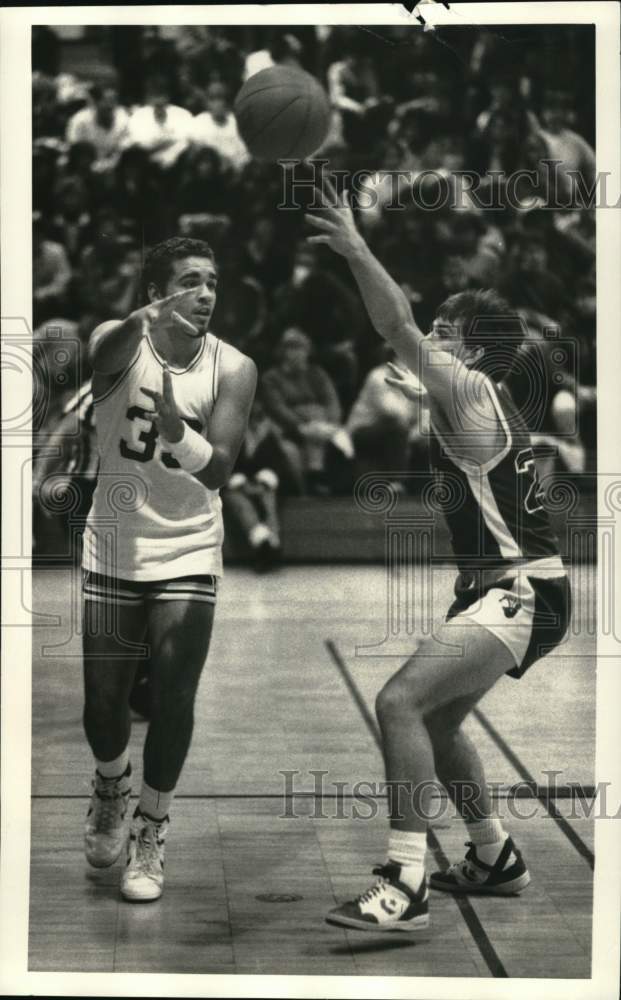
pixel 104 864
pixel 512 888
pixel 415 926
pixel 140 899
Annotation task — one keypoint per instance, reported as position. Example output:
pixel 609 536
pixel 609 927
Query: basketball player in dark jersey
pixel 511 597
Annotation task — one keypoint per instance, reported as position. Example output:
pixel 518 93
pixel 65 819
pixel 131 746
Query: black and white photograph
pixel 310 360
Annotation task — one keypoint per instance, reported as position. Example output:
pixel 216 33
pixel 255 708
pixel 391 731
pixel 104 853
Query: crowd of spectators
pixel 142 144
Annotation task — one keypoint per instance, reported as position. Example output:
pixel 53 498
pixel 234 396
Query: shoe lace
pixel 108 803
pixel 376 889
pixel 465 866
pixel 148 849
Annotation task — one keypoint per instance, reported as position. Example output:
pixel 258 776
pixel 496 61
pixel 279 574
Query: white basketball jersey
pixel 150 520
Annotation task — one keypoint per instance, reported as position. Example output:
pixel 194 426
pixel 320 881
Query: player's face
pixel 199 274
pixel 446 336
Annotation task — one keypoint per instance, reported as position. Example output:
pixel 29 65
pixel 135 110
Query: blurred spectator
pixel 320 302
pixel 47 116
pixel 51 274
pixel 107 183
pixel 71 226
pixel 354 91
pixel 529 283
pixel 385 426
pixel 162 129
pixel 301 399
pixel 563 144
pixel 204 183
pixel 104 125
pixel 286 50
pixel 250 501
pixel 217 128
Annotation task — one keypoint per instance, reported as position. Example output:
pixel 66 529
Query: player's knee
pixel 395 699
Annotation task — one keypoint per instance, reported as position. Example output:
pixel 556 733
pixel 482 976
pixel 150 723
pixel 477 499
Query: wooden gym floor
pixel 247 882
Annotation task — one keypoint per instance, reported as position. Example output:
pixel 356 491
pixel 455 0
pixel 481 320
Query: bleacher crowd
pixel 142 144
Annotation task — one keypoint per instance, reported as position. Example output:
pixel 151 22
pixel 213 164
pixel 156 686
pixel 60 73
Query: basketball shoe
pixel 143 878
pixel 474 876
pixel 389 905
pixel 104 830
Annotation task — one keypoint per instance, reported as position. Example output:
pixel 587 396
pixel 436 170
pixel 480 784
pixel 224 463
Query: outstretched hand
pixel 163 311
pixel 166 416
pixel 407 383
pixel 336 222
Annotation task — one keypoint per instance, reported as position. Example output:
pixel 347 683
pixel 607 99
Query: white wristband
pixel 193 453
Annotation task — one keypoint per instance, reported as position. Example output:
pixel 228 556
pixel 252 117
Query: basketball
pixel 282 113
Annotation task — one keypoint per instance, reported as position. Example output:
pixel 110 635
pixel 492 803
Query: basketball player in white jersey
pixel 171 407
pixel 512 594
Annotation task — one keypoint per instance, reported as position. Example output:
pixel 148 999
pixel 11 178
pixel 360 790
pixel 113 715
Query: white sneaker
pixel 143 878
pixel 104 830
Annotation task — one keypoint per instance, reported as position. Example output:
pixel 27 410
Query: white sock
pixel 114 768
pixel 259 534
pixel 488 837
pixel 408 849
pixel 154 803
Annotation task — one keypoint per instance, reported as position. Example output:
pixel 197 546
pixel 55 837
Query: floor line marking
pixel 483 943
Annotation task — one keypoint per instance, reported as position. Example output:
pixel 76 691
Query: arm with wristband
pixel 211 462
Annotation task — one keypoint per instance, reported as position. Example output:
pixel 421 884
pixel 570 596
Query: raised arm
pixel 113 344
pixel 459 392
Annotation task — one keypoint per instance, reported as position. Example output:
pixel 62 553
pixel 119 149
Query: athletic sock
pixel 408 850
pixel 488 837
pixel 153 803
pixel 116 768
pixel 258 534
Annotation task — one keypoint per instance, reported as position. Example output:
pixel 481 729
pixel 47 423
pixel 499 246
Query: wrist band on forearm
pixel 193 453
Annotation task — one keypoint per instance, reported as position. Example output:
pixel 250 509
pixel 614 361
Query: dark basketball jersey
pixel 494 512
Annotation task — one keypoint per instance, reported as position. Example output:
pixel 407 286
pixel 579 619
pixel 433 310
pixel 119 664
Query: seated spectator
pixel 529 282
pixel 104 125
pixel 564 145
pixel 386 427
pixel 322 304
pixel 162 129
pixel 47 117
pixel 355 93
pixel 250 501
pixel 51 275
pixel 71 224
pixel 204 183
pixel 302 401
pixel 45 172
pixel 109 272
pixel 216 127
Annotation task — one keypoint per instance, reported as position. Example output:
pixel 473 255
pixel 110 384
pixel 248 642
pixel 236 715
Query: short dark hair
pixel 157 266
pixel 488 321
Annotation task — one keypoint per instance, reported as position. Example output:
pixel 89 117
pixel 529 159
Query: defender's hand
pixel 162 311
pixel 336 223
pixel 406 382
pixel 165 416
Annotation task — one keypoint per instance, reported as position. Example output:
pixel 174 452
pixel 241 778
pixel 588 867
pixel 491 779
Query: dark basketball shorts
pixel 529 614
pixel 111 590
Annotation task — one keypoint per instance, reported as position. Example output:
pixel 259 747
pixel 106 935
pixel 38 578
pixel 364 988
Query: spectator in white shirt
pixel 104 125
pixel 386 428
pixel 216 127
pixel 161 128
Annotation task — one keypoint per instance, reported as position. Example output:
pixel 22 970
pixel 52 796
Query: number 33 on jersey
pixel 138 477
